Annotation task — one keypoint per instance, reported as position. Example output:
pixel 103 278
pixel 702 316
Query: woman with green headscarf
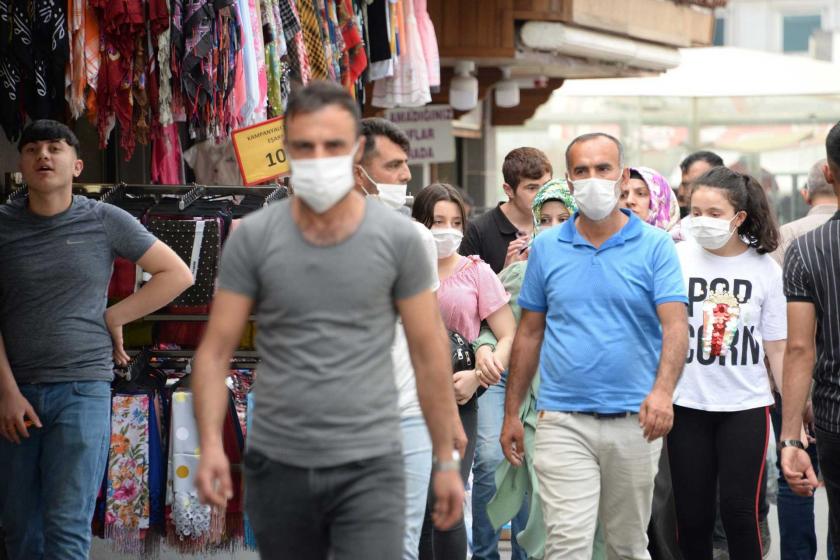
pixel 553 205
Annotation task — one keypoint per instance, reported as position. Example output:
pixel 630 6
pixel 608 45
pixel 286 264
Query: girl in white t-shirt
pixel 721 403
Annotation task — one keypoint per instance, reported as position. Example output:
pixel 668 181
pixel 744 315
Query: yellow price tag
pixel 260 152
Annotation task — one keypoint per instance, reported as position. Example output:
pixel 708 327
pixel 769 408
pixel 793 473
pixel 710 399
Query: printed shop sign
pixel 260 152
pixel 429 129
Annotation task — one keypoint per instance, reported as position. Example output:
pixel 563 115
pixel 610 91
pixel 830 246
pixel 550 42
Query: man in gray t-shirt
pixel 58 343
pixel 326 274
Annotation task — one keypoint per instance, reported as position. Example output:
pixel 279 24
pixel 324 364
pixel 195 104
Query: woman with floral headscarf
pixel 648 195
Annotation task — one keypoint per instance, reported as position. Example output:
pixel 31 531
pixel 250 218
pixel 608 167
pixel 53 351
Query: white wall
pixel 757 24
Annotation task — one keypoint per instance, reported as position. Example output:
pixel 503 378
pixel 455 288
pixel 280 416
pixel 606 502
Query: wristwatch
pixel 453 464
pixel 791 443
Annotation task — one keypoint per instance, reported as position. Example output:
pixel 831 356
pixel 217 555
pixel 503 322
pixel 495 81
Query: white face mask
pixel 710 233
pixel 322 182
pixel 597 198
pixel 392 196
pixel 447 240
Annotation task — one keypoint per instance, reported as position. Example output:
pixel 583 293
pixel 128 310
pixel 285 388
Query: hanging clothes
pixel 259 55
pixel 167 166
pixel 313 39
pixel 354 58
pixel 92 58
pixel 127 507
pixel 205 40
pixel 428 38
pixel 250 81
pixel 409 86
pixel 378 28
pixel 76 73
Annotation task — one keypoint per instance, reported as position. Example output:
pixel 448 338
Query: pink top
pixel 469 296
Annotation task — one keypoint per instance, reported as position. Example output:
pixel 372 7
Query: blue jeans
pixel 49 483
pixel 796 513
pixel 488 456
pixel 417 458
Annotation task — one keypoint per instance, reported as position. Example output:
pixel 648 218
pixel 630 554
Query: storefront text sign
pixel 260 151
pixel 429 129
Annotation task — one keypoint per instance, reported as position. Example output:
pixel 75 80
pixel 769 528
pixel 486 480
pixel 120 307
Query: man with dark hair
pixel 796 513
pixel 602 408
pixel 327 273
pixel 383 169
pixel 383 174
pixel 692 167
pixel 56 255
pixel 812 287
pixel 501 236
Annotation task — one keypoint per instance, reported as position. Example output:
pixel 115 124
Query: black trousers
pixel 452 543
pixel 708 450
pixel 828 449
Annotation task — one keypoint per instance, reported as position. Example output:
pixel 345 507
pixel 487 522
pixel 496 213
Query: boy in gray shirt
pixel 58 343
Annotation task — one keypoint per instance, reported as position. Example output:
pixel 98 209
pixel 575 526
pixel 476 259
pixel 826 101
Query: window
pixel 720 32
pixel 796 30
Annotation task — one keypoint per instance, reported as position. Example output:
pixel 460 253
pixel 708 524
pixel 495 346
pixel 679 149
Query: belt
pixel 604 415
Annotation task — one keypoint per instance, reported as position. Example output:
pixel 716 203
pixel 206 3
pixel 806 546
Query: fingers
pixel 448 505
pixel 29 411
pixel 643 414
pixel 214 488
pixel 19 427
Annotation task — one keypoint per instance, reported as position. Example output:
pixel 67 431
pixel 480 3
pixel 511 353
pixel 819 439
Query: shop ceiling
pixel 544 42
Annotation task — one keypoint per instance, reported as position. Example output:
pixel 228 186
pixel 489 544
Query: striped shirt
pixel 812 274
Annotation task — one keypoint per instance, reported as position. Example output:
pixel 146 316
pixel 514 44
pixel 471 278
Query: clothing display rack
pixel 187 194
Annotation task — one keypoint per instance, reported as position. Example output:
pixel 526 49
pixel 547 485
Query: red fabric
pixel 123 279
pixel 186 334
pixel 166 157
pixel 353 44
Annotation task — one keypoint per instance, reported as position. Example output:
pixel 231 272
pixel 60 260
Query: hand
pixel 13 409
pixel 514 251
pixel 449 498
pixel 808 424
pixel 460 437
pixel 116 330
pixel 656 415
pixel 213 479
pixel 488 367
pixel 513 440
pixel 466 384
pixel 798 471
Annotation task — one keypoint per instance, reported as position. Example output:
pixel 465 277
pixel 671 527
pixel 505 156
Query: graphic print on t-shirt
pixel 724 334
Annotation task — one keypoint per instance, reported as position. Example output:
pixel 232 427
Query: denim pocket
pixel 101 389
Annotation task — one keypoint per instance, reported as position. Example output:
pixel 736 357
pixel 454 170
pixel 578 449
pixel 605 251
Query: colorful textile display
pixel 127 507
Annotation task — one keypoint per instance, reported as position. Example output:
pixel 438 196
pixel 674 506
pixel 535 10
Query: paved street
pixel 101 551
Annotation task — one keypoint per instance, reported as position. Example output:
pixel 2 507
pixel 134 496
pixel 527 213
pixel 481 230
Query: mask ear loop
pixel 360 166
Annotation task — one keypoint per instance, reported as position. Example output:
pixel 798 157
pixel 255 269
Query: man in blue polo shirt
pixel 603 313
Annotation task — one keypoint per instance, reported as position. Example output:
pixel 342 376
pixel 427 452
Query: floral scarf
pixel 556 189
pixel 664 210
pixel 127 508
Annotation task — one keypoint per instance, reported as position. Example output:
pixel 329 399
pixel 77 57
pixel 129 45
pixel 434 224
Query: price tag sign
pixel 260 151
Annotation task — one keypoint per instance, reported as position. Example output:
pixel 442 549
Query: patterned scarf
pixel 127 508
pixel 664 210
pixel 556 189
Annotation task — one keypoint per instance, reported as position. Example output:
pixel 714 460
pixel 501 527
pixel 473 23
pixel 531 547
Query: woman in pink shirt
pixel 469 293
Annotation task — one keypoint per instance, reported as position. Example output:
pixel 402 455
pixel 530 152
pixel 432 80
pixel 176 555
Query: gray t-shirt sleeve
pixel 129 238
pixel 415 271
pixel 238 270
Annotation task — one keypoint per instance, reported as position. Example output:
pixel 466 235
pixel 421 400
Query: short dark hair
pixel 745 194
pixel 592 136
pixel 375 126
pixel 423 209
pixel 704 155
pixel 47 129
pixel 320 94
pixel 832 146
pixel 525 163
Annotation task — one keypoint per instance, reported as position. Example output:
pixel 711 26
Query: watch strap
pixel 791 443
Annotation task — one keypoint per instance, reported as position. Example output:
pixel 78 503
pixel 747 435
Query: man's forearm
pixel 796 379
pixel 210 394
pixel 7 379
pixel 436 393
pixel 523 366
pixel 672 358
pixel 163 287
